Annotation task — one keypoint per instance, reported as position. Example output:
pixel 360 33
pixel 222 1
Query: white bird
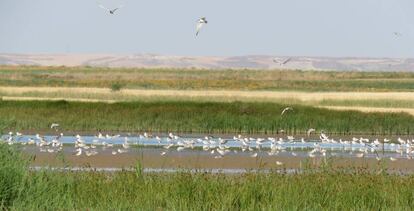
pixel 310 131
pixel 200 23
pixel 121 151
pixel 79 152
pixel 163 153
pixel 254 155
pixel 393 159
pixel 54 126
pixel 31 141
pixel 91 153
pixel 397 34
pixel 279 163
pixel 126 145
pixel 283 62
pixel 168 146
pixel 111 11
pixel 359 155
pixel 286 110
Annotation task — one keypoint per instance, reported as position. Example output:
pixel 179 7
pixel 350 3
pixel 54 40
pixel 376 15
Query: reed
pixel 195 117
pixel 326 189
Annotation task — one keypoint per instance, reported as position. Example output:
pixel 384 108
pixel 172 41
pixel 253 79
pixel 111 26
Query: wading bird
pixel 310 131
pixel 54 126
pixel 286 110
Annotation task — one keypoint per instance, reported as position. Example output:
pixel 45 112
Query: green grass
pixel 367 103
pixel 194 79
pixel 324 189
pixel 195 117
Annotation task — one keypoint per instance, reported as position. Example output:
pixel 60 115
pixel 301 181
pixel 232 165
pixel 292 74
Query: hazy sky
pixel 236 27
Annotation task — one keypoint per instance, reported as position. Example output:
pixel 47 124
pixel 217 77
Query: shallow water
pixel 142 141
pixel 199 153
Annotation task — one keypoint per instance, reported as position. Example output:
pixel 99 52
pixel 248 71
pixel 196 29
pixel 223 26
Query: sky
pixel 335 28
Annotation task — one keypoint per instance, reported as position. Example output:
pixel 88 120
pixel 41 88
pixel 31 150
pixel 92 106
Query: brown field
pixel 203 79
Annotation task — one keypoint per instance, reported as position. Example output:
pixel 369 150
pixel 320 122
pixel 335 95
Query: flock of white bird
pixel 220 147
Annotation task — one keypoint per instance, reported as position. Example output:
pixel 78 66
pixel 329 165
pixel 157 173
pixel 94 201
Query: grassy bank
pixel 193 117
pixel 192 79
pixel 327 189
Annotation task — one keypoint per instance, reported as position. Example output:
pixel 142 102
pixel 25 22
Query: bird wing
pixel 119 7
pixel 286 109
pixel 310 131
pixel 199 26
pixel 103 7
pixel 287 60
pixel 398 34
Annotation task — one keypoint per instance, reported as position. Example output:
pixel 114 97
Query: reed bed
pixel 195 117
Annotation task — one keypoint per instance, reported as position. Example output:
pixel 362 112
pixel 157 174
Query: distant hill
pixel 209 62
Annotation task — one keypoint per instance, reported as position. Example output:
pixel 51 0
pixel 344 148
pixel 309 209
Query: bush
pixel 115 87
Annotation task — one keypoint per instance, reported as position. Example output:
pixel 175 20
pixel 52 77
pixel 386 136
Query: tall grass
pixel 194 117
pixel 12 172
pixel 327 189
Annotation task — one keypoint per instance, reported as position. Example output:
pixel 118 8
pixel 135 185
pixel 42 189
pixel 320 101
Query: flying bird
pixel 111 11
pixel 282 63
pixel 311 130
pixel 54 126
pixel 397 34
pixel 286 110
pixel 200 23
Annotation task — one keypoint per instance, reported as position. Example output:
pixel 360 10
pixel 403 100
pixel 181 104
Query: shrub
pixel 115 87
